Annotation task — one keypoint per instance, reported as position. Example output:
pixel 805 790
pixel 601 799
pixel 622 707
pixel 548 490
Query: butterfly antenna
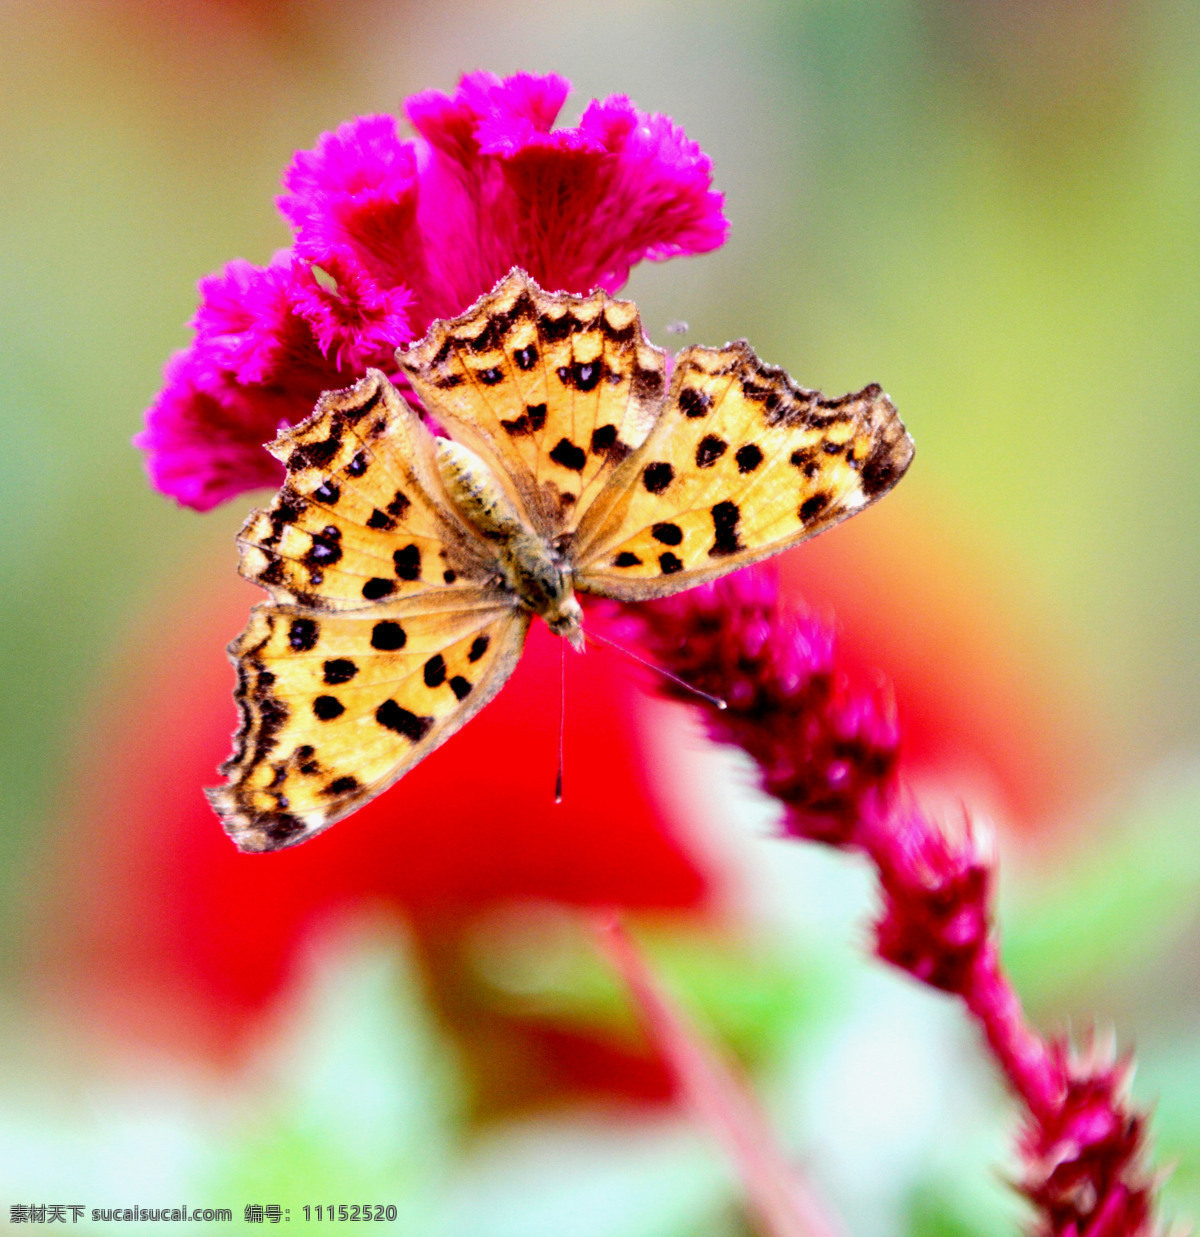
pixel 674 678
pixel 562 720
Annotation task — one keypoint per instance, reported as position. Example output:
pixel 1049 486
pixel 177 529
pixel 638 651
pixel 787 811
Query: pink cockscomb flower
pixel 393 232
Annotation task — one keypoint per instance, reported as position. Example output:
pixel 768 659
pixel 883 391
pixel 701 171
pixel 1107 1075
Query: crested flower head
pixel 1085 1160
pixel 392 232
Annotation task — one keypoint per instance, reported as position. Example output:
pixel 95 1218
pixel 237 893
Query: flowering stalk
pixel 827 749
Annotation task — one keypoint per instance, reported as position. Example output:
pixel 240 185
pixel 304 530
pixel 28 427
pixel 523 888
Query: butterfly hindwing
pixel 335 708
pixel 554 391
pixel 741 464
pixel 360 518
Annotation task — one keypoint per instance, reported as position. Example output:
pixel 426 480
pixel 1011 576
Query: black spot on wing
pixel 449 575
pixel 387 635
pixel 529 422
pixel 381 520
pixel 410 725
pixel 408 562
pixel 435 671
pixel 376 588
pixel 812 507
pixel 709 450
pixel 627 559
pixel 669 563
pixel 581 375
pixel 748 457
pixel 603 437
pixel 327 492
pixel 568 455
pixel 657 476
pixel 302 634
pixel 326 548
pixel 357 466
pixel 725 516
pixel 280 827
pixel 341 785
pixel 316 454
pixel 526 358
pixel 805 459
pixel 694 402
pixel 605 442
pixel 399 505
pixel 646 383
pixel 460 687
pixel 339 670
pixel 479 646
pixel 667 534
pixel 555 329
pixel 490 377
pixel 881 469
pixel 326 708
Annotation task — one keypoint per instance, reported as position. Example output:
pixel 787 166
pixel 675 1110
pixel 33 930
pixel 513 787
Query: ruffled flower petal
pixel 204 436
pixel 576 207
pixel 357 191
pixel 269 340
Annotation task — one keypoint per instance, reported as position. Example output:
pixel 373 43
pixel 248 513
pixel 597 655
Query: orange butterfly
pixel 404 569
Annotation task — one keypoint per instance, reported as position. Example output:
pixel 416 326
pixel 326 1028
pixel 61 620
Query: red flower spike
pixel 937 899
pixel 1084 1166
pixel 828 750
pixel 824 749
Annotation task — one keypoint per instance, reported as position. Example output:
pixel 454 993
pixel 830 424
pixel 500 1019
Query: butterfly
pixel 404 569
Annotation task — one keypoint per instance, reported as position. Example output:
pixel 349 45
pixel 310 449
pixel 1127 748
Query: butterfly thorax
pixel 531 567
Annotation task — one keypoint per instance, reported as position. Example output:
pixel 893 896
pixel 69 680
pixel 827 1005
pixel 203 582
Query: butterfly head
pixel 565 618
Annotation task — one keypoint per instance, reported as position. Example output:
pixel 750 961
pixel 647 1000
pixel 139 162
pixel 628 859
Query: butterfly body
pixel 404 569
pixel 530 566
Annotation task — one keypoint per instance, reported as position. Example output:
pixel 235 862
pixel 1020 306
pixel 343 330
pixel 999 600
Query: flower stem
pixel 780 1199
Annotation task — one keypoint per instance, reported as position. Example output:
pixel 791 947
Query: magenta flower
pixel 392 232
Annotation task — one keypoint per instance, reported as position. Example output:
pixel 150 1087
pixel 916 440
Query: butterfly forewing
pixel 337 707
pixel 554 391
pixel 360 519
pixel 741 464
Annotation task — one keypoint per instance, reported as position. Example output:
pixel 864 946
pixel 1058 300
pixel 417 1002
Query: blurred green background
pixel 993 208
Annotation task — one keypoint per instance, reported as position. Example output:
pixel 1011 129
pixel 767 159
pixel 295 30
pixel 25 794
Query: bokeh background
pixel 991 208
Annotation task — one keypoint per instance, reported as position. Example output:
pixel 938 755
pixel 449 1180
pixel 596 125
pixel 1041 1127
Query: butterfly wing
pixel 362 517
pixel 552 390
pixel 741 464
pixel 337 707
pixel 387 628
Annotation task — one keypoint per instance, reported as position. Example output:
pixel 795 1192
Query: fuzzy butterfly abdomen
pixel 531 567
